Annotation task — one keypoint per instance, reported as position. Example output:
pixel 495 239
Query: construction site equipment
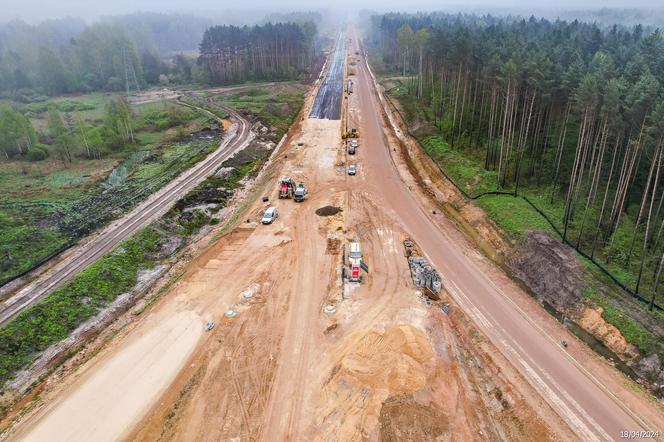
pixel 286 188
pixel 353 133
pixel 301 193
pixel 424 275
pixel 355 262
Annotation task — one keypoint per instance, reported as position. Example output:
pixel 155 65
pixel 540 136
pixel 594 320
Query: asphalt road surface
pixel 592 412
pixel 328 101
pixel 155 206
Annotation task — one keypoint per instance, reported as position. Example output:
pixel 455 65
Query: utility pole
pixel 129 72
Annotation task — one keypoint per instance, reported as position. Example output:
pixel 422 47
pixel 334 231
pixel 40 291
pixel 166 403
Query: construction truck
pixel 300 193
pixel 355 262
pixel 286 188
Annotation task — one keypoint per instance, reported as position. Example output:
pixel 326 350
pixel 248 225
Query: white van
pixel 270 215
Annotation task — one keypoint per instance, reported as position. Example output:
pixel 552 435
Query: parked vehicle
pixel 351 150
pixel 353 143
pixel 270 215
pixel 301 193
pixel 352 169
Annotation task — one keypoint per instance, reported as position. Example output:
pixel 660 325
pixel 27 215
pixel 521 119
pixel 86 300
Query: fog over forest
pixel 37 10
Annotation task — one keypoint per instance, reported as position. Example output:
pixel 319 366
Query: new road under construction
pixel 361 312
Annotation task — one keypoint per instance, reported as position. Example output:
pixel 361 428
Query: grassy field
pixel 48 204
pixel 275 106
pixel 55 317
pixel 52 319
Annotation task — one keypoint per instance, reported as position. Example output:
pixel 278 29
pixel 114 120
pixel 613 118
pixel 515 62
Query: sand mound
pixel 390 361
pixel 402 418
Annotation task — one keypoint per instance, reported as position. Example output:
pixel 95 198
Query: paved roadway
pixel 155 206
pixel 592 412
pixel 328 101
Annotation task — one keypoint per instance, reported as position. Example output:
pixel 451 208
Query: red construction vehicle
pixel 356 263
pixel 286 188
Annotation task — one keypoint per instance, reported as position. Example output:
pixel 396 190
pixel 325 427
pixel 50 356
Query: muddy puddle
pixel 328 210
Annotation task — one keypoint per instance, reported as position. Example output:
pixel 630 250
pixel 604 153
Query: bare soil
pixel 387 364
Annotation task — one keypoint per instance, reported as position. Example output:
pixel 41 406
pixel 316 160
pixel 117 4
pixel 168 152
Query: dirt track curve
pixel 155 206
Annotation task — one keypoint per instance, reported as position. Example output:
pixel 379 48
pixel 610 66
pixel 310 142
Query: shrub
pixel 38 152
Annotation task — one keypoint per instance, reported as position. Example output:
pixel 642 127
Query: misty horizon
pixel 36 11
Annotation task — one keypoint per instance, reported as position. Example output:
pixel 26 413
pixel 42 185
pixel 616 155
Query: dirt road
pixel 155 206
pixel 594 412
pixel 308 356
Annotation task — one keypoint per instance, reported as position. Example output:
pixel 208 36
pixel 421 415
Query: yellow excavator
pixel 352 134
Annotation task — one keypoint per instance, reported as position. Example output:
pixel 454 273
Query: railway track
pixel 155 206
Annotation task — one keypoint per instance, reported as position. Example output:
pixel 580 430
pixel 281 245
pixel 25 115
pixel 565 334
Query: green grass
pixel 514 215
pixel 20 245
pixel 468 174
pixel 41 203
pixel 53 318
pixel 634 333
pixel 146 138
pixel 277 109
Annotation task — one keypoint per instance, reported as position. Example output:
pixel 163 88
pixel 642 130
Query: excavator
pixel 353 133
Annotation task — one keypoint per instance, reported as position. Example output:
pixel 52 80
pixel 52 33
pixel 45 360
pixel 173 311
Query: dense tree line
pixel 142 49
pixel 559 108
pixel 67 134
pixel 67 56
pixel 230 54
pixel 96 59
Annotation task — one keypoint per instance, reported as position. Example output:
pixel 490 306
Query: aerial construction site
pixel 337 301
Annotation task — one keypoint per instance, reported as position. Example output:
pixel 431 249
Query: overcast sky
pixel 37 10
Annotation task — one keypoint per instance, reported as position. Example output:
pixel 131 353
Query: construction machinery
pixel 424 275
pixel 355 262
pixel 286 188
pixel 301 193
pixel 353 133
